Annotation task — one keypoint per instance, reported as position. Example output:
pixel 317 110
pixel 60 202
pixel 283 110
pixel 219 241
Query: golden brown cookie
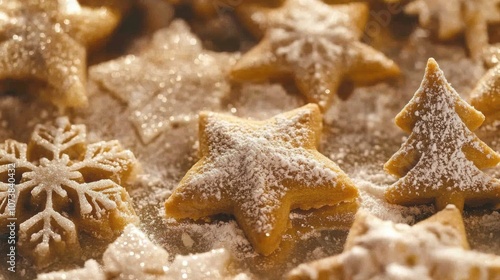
pixel 486 95
pixel 440 161
pixel 318 46
pixel 435 248
pixel 64 186
pixel 258 171
pixel 454 17
pixel 46 41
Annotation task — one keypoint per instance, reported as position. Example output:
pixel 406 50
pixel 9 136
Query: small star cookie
pixel 46 41
pixel 64 186
pixel 440 161
pixel 454 17
pixel 435 248
pixel 169 82
pixel 318 45
pixel 258 171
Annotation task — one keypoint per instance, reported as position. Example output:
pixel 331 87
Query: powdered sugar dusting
pixel 310 28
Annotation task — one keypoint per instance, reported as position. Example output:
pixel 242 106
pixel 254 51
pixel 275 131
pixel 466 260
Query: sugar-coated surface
pixel 359 135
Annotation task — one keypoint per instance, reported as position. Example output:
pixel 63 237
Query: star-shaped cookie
pixel 169 82
pixel 258 171
pixel 318 46
pixel 46 41
pixel 435 248
pixel 454 17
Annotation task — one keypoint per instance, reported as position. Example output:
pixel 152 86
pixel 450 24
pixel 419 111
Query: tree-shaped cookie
pixel 441 160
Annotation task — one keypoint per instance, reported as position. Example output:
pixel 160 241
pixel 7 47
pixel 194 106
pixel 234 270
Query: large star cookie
pixel 454 17
pixel 57 186
pixel 435 248
pixel 169 82
pixel 258 171
pixel 45 41
pixel 318 45
pixel 441 160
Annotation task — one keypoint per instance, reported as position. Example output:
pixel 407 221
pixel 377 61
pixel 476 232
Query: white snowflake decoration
pixel 309 32
pixel 64 186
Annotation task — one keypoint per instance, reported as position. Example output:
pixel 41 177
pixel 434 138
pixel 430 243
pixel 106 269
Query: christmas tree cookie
pixel 441 160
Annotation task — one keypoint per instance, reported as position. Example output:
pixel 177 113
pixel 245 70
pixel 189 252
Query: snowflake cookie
pixel 440 161
pixel 63 186
pixel 258 171
pixel 168 83
pixel 46 41
pixel 435 248
pixel 318 45
pixel 134 256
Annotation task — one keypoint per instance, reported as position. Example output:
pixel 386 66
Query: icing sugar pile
pixel 134 256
